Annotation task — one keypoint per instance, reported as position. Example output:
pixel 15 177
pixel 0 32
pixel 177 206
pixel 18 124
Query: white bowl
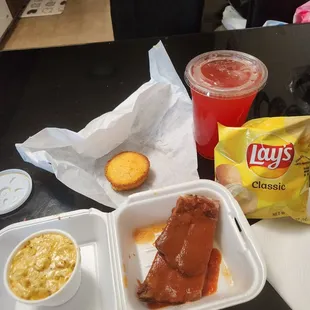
pixel 66 292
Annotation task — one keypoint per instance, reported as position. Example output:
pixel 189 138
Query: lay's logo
pixel 270 161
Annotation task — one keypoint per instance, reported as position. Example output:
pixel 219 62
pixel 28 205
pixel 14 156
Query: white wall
pixel 5 17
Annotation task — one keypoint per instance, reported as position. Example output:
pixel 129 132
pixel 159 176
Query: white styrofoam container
pixel 109 253
pixel 90 230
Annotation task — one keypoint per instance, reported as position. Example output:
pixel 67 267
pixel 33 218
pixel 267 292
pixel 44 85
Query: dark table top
pixel 69 86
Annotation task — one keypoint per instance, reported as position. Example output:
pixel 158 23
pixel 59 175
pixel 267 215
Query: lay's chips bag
pixel 266 166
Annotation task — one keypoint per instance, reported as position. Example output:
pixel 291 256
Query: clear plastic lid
pixel 226 74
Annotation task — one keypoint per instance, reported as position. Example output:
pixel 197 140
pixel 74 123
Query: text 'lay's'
pixel 266 165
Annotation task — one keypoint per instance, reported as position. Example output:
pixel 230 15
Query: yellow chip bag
pixel 266 165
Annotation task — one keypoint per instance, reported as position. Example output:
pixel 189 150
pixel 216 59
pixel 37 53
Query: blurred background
pixel 43 23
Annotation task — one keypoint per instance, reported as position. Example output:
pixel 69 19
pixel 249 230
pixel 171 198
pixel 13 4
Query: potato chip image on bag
pixel 265 164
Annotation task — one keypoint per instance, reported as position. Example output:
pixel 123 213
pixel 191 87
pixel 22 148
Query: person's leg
pixel 212 14
pixel 242 6
pixel 123 19
pixel 140 18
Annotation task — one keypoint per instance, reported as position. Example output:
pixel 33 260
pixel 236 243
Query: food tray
pixel 90 230
pixel 112 262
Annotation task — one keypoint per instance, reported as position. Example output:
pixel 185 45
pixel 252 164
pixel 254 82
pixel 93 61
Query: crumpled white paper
pixel 156 120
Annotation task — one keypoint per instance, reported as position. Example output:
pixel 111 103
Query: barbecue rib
pixel 165 284
pixel 187 240
pixel 178 271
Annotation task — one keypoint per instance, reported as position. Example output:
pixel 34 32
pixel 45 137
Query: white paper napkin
pixel 156 120
pixel 285 244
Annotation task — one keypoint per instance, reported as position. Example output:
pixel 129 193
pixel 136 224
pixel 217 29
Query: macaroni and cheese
pixel 42 266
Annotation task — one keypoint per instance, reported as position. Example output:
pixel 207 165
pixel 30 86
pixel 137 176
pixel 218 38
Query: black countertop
pixel 69 86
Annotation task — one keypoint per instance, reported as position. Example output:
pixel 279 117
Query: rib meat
pixel 187 240
pixel 164 284
pixel 178 271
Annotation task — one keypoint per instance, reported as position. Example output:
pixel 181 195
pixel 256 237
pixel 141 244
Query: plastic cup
pixel 223 86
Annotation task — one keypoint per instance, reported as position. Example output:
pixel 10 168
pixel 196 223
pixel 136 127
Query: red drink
pixel 223 86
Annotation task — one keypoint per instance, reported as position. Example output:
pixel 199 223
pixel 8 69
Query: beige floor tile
pixel 92 24
pixel 67 26
pixel 83 21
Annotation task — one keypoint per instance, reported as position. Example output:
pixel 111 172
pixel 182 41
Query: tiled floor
pixel 83 21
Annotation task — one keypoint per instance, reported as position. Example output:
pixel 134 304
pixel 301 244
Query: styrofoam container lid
pixel 15 188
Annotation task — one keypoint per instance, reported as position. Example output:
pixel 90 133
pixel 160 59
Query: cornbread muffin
pixel 127 170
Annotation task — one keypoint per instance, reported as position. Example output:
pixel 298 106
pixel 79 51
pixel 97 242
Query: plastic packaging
pixel 232 19
pixel 269 23
pixel 266 166
pixel 302 14
pixel 112 262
